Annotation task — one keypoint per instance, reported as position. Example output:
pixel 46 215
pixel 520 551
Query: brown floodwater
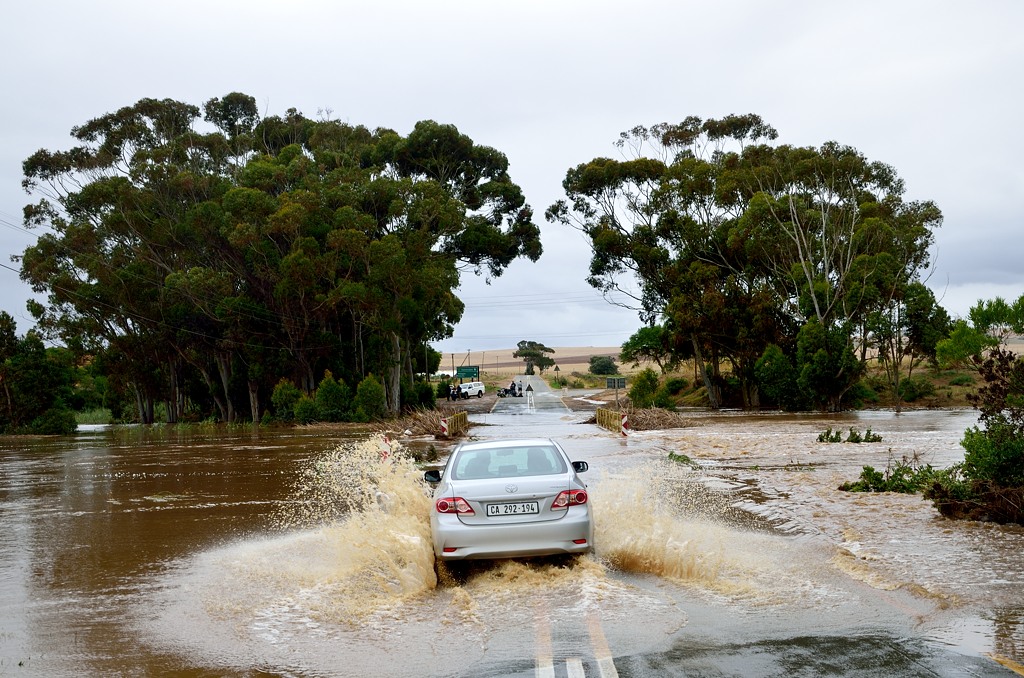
pixel 128 551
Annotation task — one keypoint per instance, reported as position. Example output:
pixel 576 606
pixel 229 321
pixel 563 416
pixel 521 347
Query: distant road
pixel 537 395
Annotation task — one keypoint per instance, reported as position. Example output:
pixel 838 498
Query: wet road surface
pixel 132 552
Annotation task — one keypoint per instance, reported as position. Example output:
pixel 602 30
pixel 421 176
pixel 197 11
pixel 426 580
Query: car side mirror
pixel 432 476
pixel 580 466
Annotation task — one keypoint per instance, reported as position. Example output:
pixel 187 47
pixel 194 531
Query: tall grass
pixel 100 415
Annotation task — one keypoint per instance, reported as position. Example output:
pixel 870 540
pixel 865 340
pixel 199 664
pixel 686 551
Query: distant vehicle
pixel 509 499
pixel 473 388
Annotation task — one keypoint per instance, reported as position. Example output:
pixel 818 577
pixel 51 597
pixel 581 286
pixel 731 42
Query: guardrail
pixel 613 420
pixel 454 424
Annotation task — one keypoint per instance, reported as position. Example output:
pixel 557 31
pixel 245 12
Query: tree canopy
pixel 650 343
pixel 739 243
pixel 35 383
pixel 535 355
pixel 241 250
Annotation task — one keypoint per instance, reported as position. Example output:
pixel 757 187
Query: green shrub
pixel 876 382
pixel 870 481
pixel 916 388
pixel 962 380
pixel 994 455
pixel 424 395
pixel 868 437
pixel 644 388
pixel 333 399
pixel 406 394
pixel 862 393
pixel 306 410
pixel 663 399
pixel 950 485
pixel 54 421
pixel 908 476
pixel 826 365
pixel 854 436
pixel 371 400
pixel 676 385
pixel 283 399
pixel 776 379
pixel 443 390
pixel 989 483
pixel 830 436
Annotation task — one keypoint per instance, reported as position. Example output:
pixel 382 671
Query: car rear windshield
pixel 508 462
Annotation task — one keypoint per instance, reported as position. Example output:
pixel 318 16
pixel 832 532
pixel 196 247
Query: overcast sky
pixel 933 88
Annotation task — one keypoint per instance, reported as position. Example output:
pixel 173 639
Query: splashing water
pixel 367 545
pixel 659 519
pixel 637 532
pixel 356 566
pixel 370 549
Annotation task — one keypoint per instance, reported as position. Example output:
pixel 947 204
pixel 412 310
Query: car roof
pixel 508 442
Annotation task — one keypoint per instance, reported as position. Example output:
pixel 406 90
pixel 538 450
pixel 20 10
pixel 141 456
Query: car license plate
pixel 517 509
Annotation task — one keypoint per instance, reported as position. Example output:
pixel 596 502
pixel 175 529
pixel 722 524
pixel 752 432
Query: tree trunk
pixel 751 395
pixel 10 403
pixel 254 400
pixel 357 346
pixel 407 360
pixel 698 357
pixel 213 392
pixel 174 402
pixel 306 375
pixel 144 404
pixel 395 375
pixel 223 360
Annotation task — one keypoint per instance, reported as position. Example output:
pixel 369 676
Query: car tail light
pixel 567 498
pixel 454 505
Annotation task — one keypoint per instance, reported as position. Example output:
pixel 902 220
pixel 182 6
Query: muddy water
pixel 281 553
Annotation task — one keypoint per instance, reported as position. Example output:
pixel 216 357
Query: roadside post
pixel 616 383
pixel 470 372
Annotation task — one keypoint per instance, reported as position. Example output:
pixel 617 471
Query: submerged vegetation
pixel 989 483
pixel 907 475
pixel 830 436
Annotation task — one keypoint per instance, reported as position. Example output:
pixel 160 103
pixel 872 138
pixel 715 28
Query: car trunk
pixel 512 500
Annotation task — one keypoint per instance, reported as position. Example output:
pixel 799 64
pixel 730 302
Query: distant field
pixel 569 359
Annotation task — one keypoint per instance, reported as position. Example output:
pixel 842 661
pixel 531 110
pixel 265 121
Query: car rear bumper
pixel 514 540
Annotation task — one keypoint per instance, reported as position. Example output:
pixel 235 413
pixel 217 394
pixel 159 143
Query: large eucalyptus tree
pixel 738 243
pixel 262 248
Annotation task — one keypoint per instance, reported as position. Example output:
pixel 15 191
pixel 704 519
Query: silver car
pixel 510 499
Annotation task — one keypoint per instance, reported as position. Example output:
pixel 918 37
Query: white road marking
pixel 605 663
pixel 545 667
pixel 544 661
pixel 574 667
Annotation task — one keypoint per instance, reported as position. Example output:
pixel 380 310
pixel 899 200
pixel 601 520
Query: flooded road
pixel 298 553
